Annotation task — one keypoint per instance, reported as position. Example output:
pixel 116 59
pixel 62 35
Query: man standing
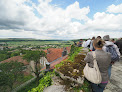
pixel 119 44
pixel 80 43
pixel 111 48
pixel 88 42
pixel 91 44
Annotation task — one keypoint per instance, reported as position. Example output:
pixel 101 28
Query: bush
pixel 44 82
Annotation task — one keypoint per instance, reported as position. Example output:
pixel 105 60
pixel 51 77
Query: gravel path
pixel 115 84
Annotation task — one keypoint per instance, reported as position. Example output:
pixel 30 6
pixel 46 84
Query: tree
pixel 35 56
pixel 15 54
pixel 2 57
pixel 9 72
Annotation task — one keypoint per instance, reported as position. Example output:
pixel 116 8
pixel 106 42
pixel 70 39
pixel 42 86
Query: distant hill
pixel 24 39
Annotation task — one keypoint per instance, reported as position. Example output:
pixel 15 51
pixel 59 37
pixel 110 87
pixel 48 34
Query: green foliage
pixel 35 56
pixel 10 71
pixel 2 57
pixel 4 54
pixel 32 55
pixel 59 65
pixel 44 82
pixel 15 53
pixel 73 52
pixel 28 87
pixel 24 78
pixel 25 43
pixel 85 87
pixel 67 66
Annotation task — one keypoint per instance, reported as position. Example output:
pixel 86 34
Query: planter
pixel 79 80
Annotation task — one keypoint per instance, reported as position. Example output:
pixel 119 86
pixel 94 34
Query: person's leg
pixel 102 86
pixel 109 71
pixel 95 87
pixel 98 87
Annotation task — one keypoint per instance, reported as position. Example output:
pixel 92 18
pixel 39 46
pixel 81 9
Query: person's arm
pixel 104 48
pixel 117 50
pixel 89 59
pixel 91 45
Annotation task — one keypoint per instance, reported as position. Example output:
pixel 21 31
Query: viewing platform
pixel 115 83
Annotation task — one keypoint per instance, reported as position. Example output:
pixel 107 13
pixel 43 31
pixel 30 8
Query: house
pixel 29 65
pixel 54 54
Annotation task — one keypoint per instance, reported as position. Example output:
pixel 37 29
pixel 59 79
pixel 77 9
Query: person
pixel 103 60
pixel 75 43
pixel 88 42
pixel 80 43
pixel 84 44
pixel 99 37
pixel 113 40
pixel 91 45
pixel 106 38
pixel 119 44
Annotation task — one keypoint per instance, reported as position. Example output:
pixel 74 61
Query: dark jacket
pixel 119 44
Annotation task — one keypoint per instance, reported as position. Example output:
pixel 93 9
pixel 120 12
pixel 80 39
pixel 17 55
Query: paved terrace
pixel 115 84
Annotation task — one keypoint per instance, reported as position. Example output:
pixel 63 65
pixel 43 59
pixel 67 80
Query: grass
pixel 74 57
pixel 36 43
pixel 85 87
pixel 44 82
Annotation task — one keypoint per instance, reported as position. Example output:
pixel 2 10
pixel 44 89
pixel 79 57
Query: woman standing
pixel 103 60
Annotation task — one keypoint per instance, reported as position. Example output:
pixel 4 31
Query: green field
pixel 33 42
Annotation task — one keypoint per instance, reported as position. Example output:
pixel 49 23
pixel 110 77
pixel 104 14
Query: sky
pixel 60 19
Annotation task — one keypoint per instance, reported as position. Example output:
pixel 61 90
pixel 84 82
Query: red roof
pixel 16 58
pixel 55 53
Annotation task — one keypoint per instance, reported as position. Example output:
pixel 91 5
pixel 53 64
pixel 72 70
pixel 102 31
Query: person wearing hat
pixel 108 43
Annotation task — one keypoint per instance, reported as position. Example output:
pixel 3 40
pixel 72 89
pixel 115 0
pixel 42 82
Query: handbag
pixel 93 74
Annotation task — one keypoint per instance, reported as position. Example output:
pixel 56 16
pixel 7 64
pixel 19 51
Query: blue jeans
pixel 109 71
pixel 98 87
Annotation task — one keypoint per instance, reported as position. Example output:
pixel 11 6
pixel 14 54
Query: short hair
pixel 99 37
pixel 113 39
pixel 99 43
pixel 93 38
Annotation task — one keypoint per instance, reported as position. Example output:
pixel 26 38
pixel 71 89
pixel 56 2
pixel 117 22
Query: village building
pixel 29 65
pixel 54 54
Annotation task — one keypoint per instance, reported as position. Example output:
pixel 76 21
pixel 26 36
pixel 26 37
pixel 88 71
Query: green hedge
pixel 44 82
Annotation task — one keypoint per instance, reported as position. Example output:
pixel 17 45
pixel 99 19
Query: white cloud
pixel 108 22
pixel 115 8
pixel 18 19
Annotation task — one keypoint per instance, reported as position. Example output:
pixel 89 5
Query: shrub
pixel 44 82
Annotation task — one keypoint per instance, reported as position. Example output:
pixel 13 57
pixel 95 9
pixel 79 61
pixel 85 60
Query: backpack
pixel 112 50
pixel 93 74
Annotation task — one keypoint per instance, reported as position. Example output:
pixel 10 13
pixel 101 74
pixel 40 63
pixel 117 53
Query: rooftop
pixel 16 58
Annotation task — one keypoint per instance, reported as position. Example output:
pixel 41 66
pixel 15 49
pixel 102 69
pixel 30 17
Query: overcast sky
pixel 60 19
